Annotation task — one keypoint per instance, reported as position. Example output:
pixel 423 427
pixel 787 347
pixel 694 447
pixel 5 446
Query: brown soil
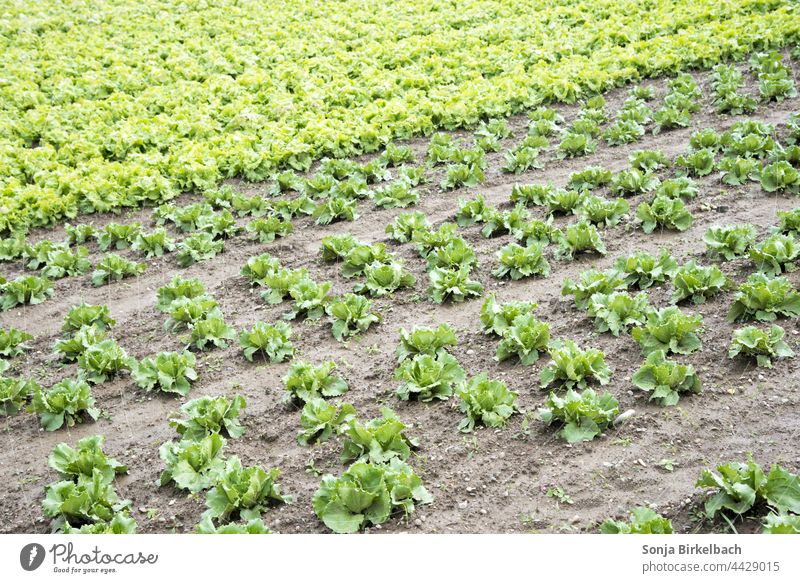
pixel 487 481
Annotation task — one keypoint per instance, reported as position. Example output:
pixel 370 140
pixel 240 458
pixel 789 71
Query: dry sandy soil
pixel 487 481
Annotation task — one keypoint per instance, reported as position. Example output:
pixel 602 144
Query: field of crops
pixel 481 266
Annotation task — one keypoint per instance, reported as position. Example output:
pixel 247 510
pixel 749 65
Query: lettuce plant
pixel 117 236
pixel 178 288
pixel 485 401
pixel 574 145
pixel 564 201
pixel 590 282
pixel 169 372
pixel 623 131
pixel 697 283
pixel 573 367
pixel 14 393
pixel 112 268
pixel 669 330
pixel 395 155
pixel 730 241
pixel 87 501
pixel 79 234
pixel 536 231
pixel 582 237
pixel 473 211
pixel 738 487
pixel 459 175
pixel 422 340
pixel 378 441
pixel 601 211
pixel 12 342
pixel 12 248
pixel 763 345
pixel 616 311
pixel 61 262
pixel 497 317
pixel 518 262
pixel 648 160
pixel 582 416
pixel 70 348
pixel 643 520
pixel 279 282
pixel 320 419
pixel 210 331
pixel 35 256
pixel 64 404
pixel 525 337
pixel 776 254
pixel 154 244
pixel 351 315
pixel 781 524
pixel 666 379
pixel 103 360
pixel 272 341
pixel 88 315
pixel 453 285
pixel 589 178
pixel 397 195
pixel 664 212
pixel 335 208
pixel 406 224
pixel 499 223
pixel 698 163
pixel 455 254
pixel 521 159
pixel 765 298
pixel 780 177
pixel 382 489
pixel 633 181
pixel 385 278
pixel 428 377
pixel 187 218
pixel 336 247
pixel 24 290
pixel 533 194
pixel 243 492
pixel 259 267
pixel 681 187
pixel 193 465
pixel 643 270
pixel 267 229
pixel 738 171
pixel 198 247
pixel 789 222
pixel 220 225
pixel 185 312
pixel 429 240
pixel 250 206
pixel 359 257
pixel 305 381
pixel 86 458
pixel 310 299
pixel 669 118
pixel 206 416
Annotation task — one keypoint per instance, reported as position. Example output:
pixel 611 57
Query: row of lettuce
pixel 92 125
pixel 745 146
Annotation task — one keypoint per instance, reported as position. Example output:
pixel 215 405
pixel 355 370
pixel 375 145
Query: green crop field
pixel 440 266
